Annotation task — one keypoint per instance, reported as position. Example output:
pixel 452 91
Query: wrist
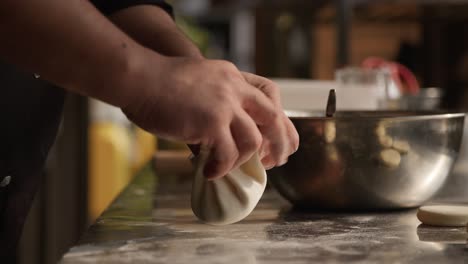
pixel 131 84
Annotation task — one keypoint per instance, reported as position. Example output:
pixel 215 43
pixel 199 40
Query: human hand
pixel 281 138
pixel 210 103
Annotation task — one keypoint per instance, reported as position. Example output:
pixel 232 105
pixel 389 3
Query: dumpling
pixel 231 198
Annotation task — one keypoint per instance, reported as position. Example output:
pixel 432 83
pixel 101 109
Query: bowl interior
pixel 369 159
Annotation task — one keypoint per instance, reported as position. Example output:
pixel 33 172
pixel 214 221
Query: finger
pixel 266 86
pixel 279 143
pixel 264 149
pixel 258 106
pixel 265 155
pixel 246 135
pixel 271 90
pixel 268 162
pixel 276 151
pixel 293 135
pixel 223 155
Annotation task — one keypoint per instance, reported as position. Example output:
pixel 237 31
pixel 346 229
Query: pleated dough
pixel 231 198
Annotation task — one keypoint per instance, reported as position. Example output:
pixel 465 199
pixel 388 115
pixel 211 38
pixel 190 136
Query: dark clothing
pixel 109 6
pixel 30 114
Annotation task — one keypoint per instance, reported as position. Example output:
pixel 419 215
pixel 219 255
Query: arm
pixel 193 100
pixel 155 29
pixel 70 44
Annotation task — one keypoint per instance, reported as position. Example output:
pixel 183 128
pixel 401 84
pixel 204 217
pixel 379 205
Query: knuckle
pixel 271 87
pixel 229 71
pixel 257 141
pixel 226 149
pixel 274 117
pixel 251 144
pixel 224 93
pixel 278 152
pixel 228 65
pixel 270 115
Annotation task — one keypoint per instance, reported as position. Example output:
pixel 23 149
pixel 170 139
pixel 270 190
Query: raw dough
pixel 380 130
pixel 329 131
pixel 385 141
pixel 231 198
pixel 401 146
pixel 331 153
pixel 390 158
pixel 381 133
pixel 443 215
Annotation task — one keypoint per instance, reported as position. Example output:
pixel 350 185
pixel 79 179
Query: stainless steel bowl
pixel 369 160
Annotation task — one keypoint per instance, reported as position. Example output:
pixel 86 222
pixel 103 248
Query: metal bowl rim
pixel 417 115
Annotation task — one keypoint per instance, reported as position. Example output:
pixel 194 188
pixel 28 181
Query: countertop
pixel 151 222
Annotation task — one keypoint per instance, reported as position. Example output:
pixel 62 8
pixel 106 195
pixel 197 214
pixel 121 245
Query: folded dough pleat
pixel 231 198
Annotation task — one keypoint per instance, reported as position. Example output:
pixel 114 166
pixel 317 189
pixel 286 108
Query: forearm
pixel 70 44
pixel 155 29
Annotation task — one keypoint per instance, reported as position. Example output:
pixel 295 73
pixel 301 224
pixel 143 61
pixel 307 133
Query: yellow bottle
pixel 144 148
pixel 109 156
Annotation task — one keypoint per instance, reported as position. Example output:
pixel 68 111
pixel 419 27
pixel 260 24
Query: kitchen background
pixel 98 151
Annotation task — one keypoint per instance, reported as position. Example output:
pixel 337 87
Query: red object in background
pixel 401 75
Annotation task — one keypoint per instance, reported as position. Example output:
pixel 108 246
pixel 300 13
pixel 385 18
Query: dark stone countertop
pixel 152 222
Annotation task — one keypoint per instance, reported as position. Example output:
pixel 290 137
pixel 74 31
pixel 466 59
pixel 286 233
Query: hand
pixel 280 137
pixel 206 102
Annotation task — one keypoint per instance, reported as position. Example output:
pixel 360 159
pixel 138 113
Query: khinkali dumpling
pixel 228 199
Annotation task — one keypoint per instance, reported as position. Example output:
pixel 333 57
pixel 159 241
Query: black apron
pixel 30 113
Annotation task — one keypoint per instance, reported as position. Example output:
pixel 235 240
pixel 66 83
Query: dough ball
pixel 381 133
pixel 385 141
pixel 401 146
pixel 228 199
pixel 329 131
pixel 390 158
pixel 380 130
pixel 331 153
pixel 443 215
